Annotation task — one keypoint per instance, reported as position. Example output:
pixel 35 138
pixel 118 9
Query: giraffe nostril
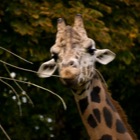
pixel 71 63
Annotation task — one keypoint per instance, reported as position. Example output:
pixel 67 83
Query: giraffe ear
pixel 104 56
pixel 47 69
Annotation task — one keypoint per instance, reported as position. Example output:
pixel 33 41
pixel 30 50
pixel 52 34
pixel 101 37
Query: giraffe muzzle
pixel 69 73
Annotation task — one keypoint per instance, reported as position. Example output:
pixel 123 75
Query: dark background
pixel 28 29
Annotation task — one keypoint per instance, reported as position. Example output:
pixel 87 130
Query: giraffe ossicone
pixel 74 55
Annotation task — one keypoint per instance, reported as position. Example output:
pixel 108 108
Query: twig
pixel 19 103
pixel 17 67
pixel 24 68
pixel 15 55
pixel 7 136
pixel 30 101
pixel 100 75
pixel 64 104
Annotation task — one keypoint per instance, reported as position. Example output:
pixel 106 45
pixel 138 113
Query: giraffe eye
pixel 91 50
pixel 55 56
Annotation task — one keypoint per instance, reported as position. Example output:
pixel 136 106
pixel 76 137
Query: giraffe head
pixel 74 54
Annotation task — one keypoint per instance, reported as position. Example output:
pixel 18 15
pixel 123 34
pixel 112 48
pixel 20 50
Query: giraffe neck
pixel 98 114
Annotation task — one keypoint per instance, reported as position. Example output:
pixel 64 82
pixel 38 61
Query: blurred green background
pixel 28 27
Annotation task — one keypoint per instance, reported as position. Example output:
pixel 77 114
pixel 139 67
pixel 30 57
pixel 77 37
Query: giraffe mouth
pixel 70 82
pixel 69 73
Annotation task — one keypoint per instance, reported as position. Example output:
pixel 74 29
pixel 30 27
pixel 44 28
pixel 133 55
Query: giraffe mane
pixel 122 114
pixel 123 117
pixel 119 109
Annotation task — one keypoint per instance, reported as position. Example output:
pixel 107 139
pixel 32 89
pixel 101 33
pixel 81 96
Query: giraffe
pixel 74 55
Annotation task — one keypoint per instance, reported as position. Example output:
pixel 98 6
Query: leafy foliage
pixel 28 29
